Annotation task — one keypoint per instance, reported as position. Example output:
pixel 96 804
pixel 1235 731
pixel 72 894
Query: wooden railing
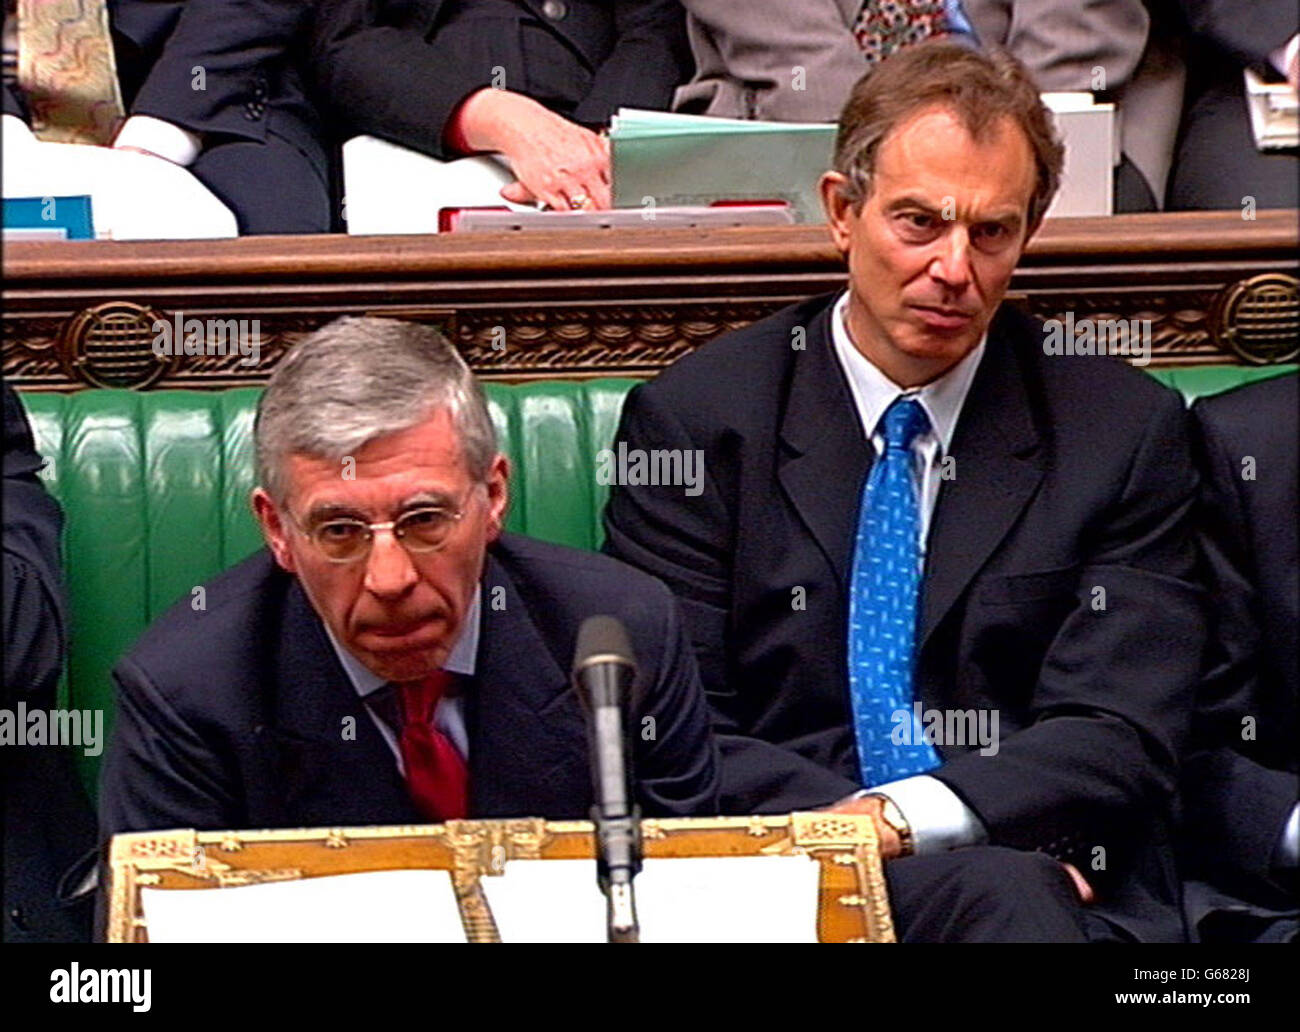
pixel 1217 289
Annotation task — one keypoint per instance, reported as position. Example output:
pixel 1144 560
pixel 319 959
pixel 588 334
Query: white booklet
pixel 687 899
pixel 376 906
pixel 1274 113
pixel 684 899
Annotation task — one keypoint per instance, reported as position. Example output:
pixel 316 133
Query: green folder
pixel 675 160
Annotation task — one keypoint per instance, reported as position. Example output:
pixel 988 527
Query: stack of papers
pixel 697 899
pixel 684 899
pixel 673 160
pixel 378 906
pixel 1274 113
pixel 1092 150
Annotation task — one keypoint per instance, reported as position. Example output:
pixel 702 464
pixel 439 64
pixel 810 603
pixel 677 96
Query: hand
pixel 555 161
pixel 890 844
pixel 1086 895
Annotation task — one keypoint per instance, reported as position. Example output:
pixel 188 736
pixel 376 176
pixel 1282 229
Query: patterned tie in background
pixel 884 590
pixel 67 72
pixel 884 26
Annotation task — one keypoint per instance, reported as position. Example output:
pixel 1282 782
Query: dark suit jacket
pixel 1071 473
pixel 1239 792
pixel 380 68
pixel 251 53
pixel 1217 163
pixel 232 717
pixel 48 823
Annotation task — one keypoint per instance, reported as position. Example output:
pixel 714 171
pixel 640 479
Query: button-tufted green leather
pixel 155 488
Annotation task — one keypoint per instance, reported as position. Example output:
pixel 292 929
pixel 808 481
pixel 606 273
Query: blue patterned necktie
pixel 883 607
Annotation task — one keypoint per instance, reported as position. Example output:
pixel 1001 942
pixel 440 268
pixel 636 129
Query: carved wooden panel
pixel 1214 287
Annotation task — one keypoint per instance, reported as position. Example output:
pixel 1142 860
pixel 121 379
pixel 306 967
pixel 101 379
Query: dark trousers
pixel 271 187
pixel 1217 165
pixel 986 894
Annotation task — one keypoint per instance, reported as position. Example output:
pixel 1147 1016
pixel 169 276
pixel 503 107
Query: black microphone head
pixel 602 639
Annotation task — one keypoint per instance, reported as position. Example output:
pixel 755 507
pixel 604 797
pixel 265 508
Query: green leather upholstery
pixel 1200 381
pixel 155 488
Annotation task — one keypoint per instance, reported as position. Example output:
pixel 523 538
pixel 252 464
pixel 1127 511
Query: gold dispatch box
pixel 852 905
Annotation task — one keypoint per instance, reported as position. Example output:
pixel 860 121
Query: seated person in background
pixel 1241 819
pixel 249 133
pixel 48 824
pixel 210 85
pixel 392 657
pixel 913 509
pixel 1217 164
pixel 532 81
pixel 786 62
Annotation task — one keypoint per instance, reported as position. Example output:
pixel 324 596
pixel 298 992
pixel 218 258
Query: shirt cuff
pixel 1288 849
pixel 453 133
pixel 1282 57
pixel 939 819
pixel 177 145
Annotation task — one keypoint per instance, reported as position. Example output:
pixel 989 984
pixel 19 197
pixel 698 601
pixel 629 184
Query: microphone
pixel 604 671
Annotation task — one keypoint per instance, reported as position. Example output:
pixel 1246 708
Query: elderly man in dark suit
pixel 532 80
pixel 1241 826
pixel 393 657
pixel 941 571
pixel 47 822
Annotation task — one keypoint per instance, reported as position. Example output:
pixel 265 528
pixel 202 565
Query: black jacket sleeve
pixel 1234 806
pixel 375 69
pixel 219 66
pixel 650 60
pixel 1249 30
pixel 33 587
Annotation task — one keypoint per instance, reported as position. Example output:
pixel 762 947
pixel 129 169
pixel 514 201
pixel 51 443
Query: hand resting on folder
pixel 555 161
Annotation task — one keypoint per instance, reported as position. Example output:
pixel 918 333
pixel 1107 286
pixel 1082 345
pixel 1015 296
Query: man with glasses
pixel 392 657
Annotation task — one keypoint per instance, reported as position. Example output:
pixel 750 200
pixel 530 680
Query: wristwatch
pixel 893 816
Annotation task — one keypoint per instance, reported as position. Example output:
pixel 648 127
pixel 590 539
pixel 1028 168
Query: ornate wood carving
pixel 1215 288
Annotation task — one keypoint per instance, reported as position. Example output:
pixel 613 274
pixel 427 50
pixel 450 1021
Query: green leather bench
pixel 155 489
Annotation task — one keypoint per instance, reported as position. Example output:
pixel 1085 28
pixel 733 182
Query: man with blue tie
pixel 939 573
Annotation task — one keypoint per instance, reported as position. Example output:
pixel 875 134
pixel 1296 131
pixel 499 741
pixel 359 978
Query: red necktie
pixel 436 775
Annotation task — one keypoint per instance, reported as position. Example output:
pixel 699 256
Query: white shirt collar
pixel 462 660
pixel 873 391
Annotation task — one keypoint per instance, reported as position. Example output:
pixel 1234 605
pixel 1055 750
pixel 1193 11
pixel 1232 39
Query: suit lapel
pixel 824 456
pixel 998 467
pixel 332 763
pixel 527 733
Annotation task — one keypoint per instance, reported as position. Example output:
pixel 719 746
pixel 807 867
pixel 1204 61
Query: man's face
pixel 932 248
pixel 399 612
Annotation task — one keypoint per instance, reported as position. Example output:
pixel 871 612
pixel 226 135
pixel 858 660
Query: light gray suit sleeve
pixel 772 59
pixel 1062 44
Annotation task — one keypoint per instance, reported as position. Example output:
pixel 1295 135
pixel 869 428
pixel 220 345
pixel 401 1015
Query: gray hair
pixel 359 379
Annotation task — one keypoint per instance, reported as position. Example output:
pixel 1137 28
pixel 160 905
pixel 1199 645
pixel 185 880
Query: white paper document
pixel 377 906
pixel 687 899
pixel 1273 108
pixel 1091 153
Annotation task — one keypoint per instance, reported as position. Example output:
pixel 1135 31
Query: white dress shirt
pixel 166 139
pixel 449 717
pixel 938 818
